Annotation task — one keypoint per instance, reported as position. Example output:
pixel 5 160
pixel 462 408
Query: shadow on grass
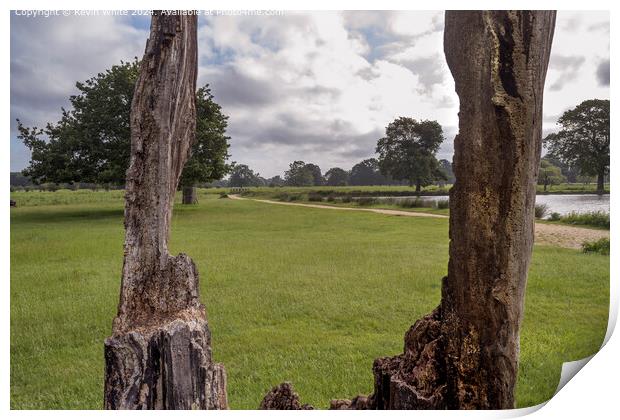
pixel 62 214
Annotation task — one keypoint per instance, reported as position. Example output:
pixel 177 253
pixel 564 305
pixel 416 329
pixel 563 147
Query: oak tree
pixel 583 139
pixel 91 141
pixel 407 152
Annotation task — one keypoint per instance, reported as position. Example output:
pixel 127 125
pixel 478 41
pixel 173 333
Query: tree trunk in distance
pixel 600 182
pixel 464 354
pixel 159 354
pixel 190 195
pixel 418 187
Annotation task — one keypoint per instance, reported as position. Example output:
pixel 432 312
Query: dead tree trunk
pixel 464 355
pixel 499 63
pixel 159 354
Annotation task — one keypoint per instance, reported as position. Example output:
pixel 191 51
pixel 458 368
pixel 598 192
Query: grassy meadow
pixel 400 190
pixel 299 294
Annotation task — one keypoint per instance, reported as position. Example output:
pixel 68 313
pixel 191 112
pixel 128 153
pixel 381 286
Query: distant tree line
pixel 406 157
pixel 89 147
pixel 301 174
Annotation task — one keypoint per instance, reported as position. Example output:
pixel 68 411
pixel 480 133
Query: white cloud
pixel 317 86
pixel 318 68
pixel 580 44
pixel 48 55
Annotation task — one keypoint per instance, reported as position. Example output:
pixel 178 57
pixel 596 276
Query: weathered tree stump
pixel 464 355
pixel 159 354
pixel 283 397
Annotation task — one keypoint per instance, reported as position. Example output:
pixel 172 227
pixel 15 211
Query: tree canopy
pixel 243 176
pixel 407 152
pixel 336 177
pixel 317 178
pixel 446 167
pixel 367 173
pixel 207 161
pixel 549 174
pixel 91 141
pixel 275 181
pixel 583 140
pixel 301 174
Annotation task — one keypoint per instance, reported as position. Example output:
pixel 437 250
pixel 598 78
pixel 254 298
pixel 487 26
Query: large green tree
pixel 407 152
pixel 583 140
pixel 91 141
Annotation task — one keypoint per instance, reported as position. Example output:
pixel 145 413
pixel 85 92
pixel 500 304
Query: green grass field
pixel 306 295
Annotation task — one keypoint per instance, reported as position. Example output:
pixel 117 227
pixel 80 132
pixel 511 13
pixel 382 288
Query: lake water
pixel 579 203
pixel 560 203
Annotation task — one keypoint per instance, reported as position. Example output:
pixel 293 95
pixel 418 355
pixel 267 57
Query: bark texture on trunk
pixel 464 354
pixel 499 63
pixel 159 354
pixel 283 397
pixel 190 195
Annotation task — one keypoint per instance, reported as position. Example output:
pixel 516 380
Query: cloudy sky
pixel 318 87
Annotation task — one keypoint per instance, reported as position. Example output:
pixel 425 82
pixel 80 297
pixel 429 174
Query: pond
pixel 560 203
pixel 580 203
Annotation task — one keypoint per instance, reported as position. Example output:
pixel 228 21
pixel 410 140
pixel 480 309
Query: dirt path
pixel 567 236
pixel 320 206
pixel 546 234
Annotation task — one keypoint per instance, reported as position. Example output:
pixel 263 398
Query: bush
pixel 223 195
pixel 331 198
pixel 407 202
pixel 416 202
pixel 282 196
pixel 592 218
pixel 555 217
pixel 49 186
pixel 600 247
pixel 443 204
pixel 315 197
pixel 365 201
pixel 346 199
pixel 540 210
